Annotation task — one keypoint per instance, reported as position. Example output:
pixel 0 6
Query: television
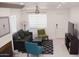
pixel 72 29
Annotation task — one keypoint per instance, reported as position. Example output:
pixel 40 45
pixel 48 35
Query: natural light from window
pixel 13 24
pixel 37 20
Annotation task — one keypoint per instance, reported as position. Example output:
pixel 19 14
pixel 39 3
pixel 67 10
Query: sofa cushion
pixel 26 33
pixel 21 33
pixel 16 36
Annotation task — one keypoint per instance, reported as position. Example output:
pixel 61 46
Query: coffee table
pixel 37 40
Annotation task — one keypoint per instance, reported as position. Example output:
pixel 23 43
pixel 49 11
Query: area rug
pixel 48 46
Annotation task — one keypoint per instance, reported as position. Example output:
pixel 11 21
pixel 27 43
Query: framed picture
pixel 4 26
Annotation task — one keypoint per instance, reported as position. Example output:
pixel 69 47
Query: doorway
pixel 60 27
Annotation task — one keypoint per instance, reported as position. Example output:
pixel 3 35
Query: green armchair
pixel 42 34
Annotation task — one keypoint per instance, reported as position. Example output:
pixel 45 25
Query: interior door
pixel 60 27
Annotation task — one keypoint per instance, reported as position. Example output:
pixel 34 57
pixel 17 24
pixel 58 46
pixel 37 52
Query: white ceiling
pixel 48 5
pixel 52 4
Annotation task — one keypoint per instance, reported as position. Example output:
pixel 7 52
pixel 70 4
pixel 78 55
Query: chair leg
pixel 27 54
pixel 47 38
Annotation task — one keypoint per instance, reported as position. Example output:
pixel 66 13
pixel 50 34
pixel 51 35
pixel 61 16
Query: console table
pixel 72 43
pixel 6 50
pixel 37 40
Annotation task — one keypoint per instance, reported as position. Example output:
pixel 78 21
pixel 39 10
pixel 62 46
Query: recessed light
pixel 59 6
pixel 21 3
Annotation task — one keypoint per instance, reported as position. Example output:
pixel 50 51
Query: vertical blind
pixel 13 26
pixel 37 20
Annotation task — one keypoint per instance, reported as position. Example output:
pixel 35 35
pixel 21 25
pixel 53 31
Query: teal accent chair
pixel 33 48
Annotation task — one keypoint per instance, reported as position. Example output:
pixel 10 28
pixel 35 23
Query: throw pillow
pixel 21 33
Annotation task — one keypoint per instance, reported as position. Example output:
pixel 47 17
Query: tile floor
pixel 59 50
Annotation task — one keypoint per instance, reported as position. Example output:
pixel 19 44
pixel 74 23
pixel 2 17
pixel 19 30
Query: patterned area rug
pixel 48 46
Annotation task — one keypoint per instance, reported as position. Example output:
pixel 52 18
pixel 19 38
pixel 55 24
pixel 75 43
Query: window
pixel 37 20
pixel 13 24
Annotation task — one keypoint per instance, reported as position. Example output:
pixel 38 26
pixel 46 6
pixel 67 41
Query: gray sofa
pixel 19 39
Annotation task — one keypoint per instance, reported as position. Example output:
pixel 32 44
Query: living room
pixel 23 22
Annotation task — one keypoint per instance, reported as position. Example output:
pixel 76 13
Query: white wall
pixel 17 13
pixel 9 12
pixel 74 17
pixel 53 16
pixel 60 17
pixel 74 14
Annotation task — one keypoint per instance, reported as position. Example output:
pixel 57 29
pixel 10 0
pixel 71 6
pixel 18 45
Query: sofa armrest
pixel 27 33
